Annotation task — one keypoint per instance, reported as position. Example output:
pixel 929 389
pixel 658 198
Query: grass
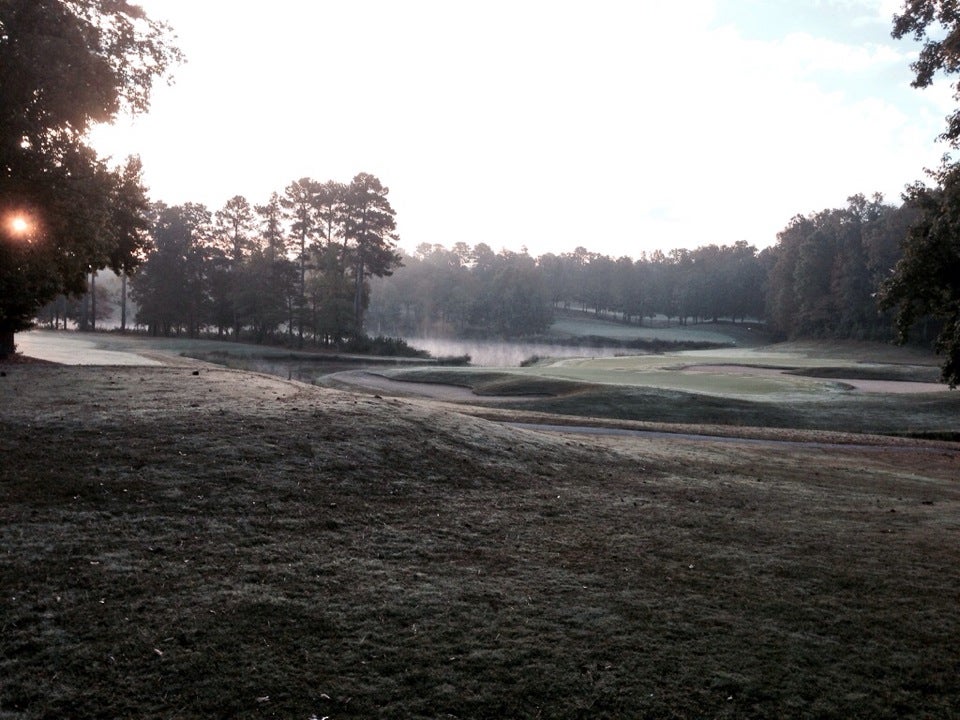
pixel 575 325
pixel 888 415
pixel 235 545
pixel 231 545
pixel 921 415
pixel 809 394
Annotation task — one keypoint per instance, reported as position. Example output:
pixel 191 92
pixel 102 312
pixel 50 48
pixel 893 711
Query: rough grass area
pixel 230 545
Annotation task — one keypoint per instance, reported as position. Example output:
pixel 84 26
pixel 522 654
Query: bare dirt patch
pixel 197 542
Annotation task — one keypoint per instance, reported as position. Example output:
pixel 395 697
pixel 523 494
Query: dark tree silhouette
pixel 926 281
pixel 172 287
pixel 935 23
pixel 369 228
pixel 298 202
pixel 63 67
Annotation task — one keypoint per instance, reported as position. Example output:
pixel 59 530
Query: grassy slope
pixel 225 545
pixel 626 388
pixel 925 414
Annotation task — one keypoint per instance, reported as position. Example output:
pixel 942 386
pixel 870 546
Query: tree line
pixel 310 264
pixel 820 279
pixel 296 268
pixel 65 215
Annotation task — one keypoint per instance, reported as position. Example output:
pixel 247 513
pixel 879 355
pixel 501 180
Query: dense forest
pixel 294 269
pixel 819 280
pixel 319 264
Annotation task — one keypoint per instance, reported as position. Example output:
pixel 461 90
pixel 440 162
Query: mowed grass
pixel 783 386
pixel 234 546
pixel 727 333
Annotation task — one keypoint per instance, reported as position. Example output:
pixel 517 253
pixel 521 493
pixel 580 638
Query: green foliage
pixel 383 346
pixel 459 292
pixel 926 280
pixel 826 268
pixel 330 296
pixel 818 281
pixel 64 66
pixel 936 23
pixel 516 301
pixel 265 287
pixel 171 288
pixel 369 227
pixel 343 234
pixel 304 267
pixel 464 292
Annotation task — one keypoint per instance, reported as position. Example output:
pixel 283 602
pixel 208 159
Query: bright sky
pixel 618 125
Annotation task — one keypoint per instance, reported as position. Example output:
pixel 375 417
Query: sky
pixel 623 126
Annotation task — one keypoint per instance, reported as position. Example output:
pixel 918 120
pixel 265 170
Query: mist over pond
pixel 502 353
pixel 483 353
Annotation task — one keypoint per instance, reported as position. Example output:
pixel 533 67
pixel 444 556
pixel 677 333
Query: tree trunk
pixel 290 324
pixel 303 285
pixel 7 345
pixel 93 300
pixel 123 302
pixel 358 302
pixel 83 313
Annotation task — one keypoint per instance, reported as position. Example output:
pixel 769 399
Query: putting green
pixel 759 373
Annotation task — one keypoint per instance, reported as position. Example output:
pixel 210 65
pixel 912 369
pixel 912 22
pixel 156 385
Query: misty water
pixel 483 353
pixel 492 353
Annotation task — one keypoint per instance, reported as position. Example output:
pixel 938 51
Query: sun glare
pixel 19 225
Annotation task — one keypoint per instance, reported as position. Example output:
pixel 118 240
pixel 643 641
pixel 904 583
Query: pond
pixel 311 368
pixel 306 369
